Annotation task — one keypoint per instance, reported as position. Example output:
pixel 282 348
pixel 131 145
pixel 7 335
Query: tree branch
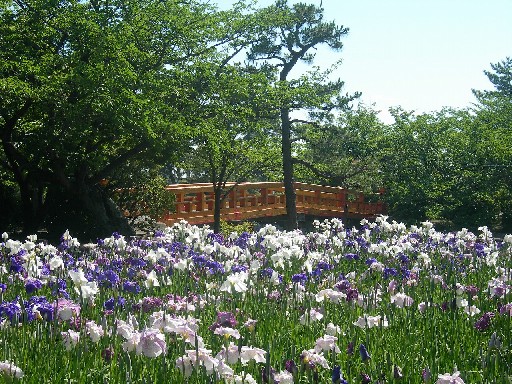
pixel 306 122
pixel 118 161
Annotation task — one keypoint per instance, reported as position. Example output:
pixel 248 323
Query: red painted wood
pixel 194 202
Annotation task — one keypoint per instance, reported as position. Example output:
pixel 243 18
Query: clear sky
pixel 418 54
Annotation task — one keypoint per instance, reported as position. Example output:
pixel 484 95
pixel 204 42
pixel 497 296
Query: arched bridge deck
pixel 195 202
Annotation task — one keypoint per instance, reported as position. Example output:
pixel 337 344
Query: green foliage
pixel 492 139
pixel 501 78
pixel 453 165
pixel 421 160
pixel 231 142
pixel 145 196
pixel 227 228
pixel 87 86
pixel 343 153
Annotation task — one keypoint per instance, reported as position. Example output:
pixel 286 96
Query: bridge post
pixel 318 197
pixel 341 199
pixel 179 202
pixel 263 197
pixel 200 201
pixel 242 197
pixel 232 198
pixel 360 202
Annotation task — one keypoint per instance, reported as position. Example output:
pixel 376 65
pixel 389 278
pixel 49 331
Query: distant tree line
pixel 98 97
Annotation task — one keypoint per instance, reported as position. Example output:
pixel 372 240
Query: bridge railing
pixel 195 202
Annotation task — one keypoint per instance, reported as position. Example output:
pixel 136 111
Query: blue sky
pixel 418 54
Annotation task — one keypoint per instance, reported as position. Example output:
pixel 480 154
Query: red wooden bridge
pixel 194 202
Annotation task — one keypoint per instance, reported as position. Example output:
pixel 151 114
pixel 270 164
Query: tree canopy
pixel 87 86
pixel 98 96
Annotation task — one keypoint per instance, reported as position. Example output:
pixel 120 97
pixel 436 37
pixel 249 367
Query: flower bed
pixel 377 303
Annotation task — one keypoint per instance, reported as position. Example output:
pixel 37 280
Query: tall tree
pixel 84 87
pixel 232 142
pixel 493 129
pixel 290 35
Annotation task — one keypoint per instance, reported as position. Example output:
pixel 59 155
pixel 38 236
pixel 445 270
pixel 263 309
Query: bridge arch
pixel 245 201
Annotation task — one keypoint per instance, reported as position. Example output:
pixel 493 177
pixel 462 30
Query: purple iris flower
pixel 112 277
pixel 199 260
pixel 131 273
pixel 69 261
pixel 32 285
pixel 403 258
pixel 267 272
pixel 484 322
pixel 242 240
pixel 216 238
pixel 343 285
pixel 214 267
pixel 291 367
pixel 39 304
pixel 324 265
pixel 238 268
pixel 10 310
pixel 506 309
pixel 337 377
pixel 365 356
pixel 351 256
pixel 350 348
pixel 151 303
pixel 352 294
pixel 226 319
pixel 59 284
pixel 301 278
pixel 16 264
pixel 426 374
pixel 45 270
pixel 109 304
pixel 47 311
pixel 131 286
pixel 136 262
pixel 389 272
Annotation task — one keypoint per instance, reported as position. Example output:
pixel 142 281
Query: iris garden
pixel 378 302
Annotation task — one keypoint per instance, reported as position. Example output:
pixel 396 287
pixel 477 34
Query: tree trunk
pixel 31 206
pixel 217 193
pixel 289 190
pixel 86 211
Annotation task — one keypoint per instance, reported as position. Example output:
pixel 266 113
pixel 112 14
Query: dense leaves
pixel 453 165
pixel 96 96
pixel 343 152
pixel 87 87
